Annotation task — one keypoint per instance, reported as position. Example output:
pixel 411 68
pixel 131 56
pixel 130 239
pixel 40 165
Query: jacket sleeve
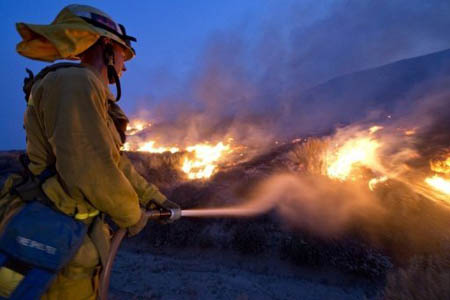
pixel 87 156
pixel 145 190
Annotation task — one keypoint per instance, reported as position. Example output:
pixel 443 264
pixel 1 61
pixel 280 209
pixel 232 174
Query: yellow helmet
pixel 75 29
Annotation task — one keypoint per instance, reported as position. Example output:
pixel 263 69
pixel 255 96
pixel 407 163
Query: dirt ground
pixel 200 274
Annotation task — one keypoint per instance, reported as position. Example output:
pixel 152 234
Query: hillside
pixel 393 89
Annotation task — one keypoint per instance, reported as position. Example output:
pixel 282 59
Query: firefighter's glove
pixel 174 209
pixel 136 228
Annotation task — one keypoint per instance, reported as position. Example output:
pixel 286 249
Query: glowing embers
pixel 410 132
pixel 375 128
pixel 150 147
pixel 136 126
pixel 201 160
pixel 441 165
pixel 360 151
pixel 374 181
pixel 440 182
pixel 355 156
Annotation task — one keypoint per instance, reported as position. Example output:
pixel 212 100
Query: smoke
pixel 356 35
pixel 394 217
pixel 318 204
pixel 300 75
pixel 400 214
pixel 275 84
pixel 315 203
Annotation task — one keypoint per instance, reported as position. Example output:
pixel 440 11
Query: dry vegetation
pixel 413 235
pixel 425 277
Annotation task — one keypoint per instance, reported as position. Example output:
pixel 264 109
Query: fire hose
pixel 156 214
pixel 115 243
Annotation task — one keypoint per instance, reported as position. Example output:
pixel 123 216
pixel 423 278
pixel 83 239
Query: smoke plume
pixel 277 84
pixel 329 68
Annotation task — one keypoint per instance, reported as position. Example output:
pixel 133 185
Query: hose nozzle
pixel 175 214
pixel 156 214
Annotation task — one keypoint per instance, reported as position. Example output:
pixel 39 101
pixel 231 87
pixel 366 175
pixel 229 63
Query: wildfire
pixel 150 147
pixel 438 182
pixel 200 160
pixel 353 152
pixel 441 166
pixel 410 132
pixel 357 151
pixel 204 160
pixel 374 129
pixel 374 181
pixel 136 126
pixel 363 149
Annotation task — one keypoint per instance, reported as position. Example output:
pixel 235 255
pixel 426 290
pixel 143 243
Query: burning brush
pixel 375 154
pixel 338 189
pixel 355 153
pixel 440 166
pixel 200 161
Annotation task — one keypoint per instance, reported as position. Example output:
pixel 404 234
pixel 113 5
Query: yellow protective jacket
pixel 68 125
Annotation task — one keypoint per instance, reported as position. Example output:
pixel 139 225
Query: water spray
pixel 230 212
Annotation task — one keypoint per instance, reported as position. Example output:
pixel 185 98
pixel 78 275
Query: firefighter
pixel 75 127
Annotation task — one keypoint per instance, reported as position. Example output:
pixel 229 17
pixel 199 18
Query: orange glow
pixel 410 132
pixel 203 161
pixel 441 166
pixel 354 151
pixel 374 181
pixel 150 147
pixel 361 151
pixel 136 126
pixel 126 147
pixel 440 184
pixel 374 129
pixel 199 162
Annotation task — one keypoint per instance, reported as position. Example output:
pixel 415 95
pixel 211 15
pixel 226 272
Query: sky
pixel 170 35
pixel 238 53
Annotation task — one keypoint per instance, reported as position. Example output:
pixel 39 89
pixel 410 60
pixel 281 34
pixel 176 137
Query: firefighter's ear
pixel 108 51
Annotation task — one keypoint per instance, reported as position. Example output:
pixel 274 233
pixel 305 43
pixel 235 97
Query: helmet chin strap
pixel 108 55
pixel 112 74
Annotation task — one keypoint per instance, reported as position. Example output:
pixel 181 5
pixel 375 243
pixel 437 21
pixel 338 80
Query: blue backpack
pixel 37 242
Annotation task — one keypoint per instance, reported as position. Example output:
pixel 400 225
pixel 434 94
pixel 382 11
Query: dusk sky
pixel 170 36
pixel 173 35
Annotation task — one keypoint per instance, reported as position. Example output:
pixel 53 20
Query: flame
pixel 374 181
pixel 375 128
pixel 149 147
pixel 440 184
pixel 441 166
pixel 356 151
pixel 200 161
pixel 126 147
pixel 410 132
pixel 136 126
pixel 204 160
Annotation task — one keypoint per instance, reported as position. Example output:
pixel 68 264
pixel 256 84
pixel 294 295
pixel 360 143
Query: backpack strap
pixel 29 81
pixel 119 118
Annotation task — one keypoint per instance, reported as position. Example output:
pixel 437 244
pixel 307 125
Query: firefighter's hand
pixel 136 228
pixel 174 209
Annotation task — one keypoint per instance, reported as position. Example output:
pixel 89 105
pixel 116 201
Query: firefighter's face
pixel 119 59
